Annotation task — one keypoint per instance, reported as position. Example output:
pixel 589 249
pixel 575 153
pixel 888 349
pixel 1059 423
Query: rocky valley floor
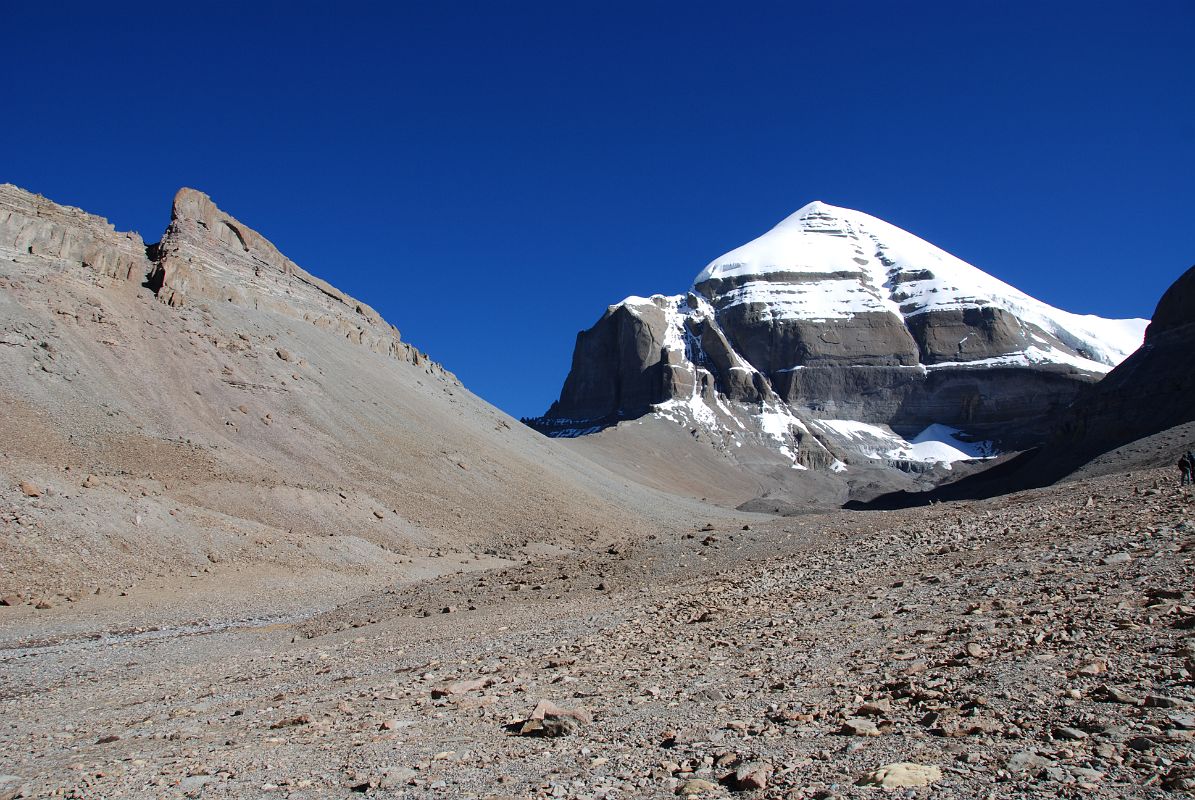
pixel 1039 644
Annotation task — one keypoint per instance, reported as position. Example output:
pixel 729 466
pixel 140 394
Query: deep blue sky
pixel 490 176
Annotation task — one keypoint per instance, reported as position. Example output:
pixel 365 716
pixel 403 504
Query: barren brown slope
pixel 220 405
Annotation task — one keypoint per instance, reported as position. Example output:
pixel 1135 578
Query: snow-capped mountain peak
pixel 836 339
pixel 825 263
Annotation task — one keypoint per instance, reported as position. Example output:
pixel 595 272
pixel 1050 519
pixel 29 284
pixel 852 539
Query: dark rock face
pixel 1176 309
pixel 619 367
pixel 872 339
pixel 711 351
pixel 983 400
pixel 872 368
pixel 968 334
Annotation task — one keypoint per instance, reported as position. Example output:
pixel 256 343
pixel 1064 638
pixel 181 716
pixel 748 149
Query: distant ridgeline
pixel 205 255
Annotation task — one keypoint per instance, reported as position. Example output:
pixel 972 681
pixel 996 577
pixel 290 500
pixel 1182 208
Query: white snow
pixel 689 409
pixel 1030 355
pixel 777 422
pixel 824 262
pixel 937 443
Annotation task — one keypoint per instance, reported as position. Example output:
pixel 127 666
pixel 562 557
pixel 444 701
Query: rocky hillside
pixel 840 343
pixel 204 405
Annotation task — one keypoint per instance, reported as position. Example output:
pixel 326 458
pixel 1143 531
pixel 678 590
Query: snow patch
pixel 1030 355
pixel 936 444
pixel 777 422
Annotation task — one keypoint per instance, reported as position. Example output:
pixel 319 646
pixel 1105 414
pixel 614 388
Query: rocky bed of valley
pixel 1039 644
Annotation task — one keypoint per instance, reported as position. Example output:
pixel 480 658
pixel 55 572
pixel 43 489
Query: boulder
pixel 903 774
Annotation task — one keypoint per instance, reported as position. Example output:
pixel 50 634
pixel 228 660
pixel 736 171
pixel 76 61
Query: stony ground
pixel 1040 644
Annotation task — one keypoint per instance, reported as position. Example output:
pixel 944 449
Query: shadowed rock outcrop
pixel 1150 391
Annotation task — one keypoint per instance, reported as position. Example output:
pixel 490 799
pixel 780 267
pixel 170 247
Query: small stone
pixel 291 722
pixel 1180 778
pixel 549 719
pixel 1093 668
pixel 1162 701
pixel 1184 721
pixel 903 774
pixel 1141 743
pixel 42 605
pixel 90 482
pixel 857 726
pixel 462 687
pixel 109 739
pixel 546 709
pixel 753 775
pixel 10 600
pixel 395 776
pixel 29 490
pixel 1116 558
pixel 975 651
pixel 395 724
pixel 876 708
pixel 284 354
pixel 696 786
pixel 1029 762
pixel 1117 695
pixel 1085 774
pixel 379 514
pixel 1072 734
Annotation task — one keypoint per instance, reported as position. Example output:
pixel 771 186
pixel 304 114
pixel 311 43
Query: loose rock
pixel 904 774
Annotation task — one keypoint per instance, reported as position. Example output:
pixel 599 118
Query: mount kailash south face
pixel 838 341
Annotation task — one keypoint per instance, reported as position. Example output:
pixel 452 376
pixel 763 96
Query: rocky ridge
pixel 208 255
pixel 205 255
pixel 203 406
